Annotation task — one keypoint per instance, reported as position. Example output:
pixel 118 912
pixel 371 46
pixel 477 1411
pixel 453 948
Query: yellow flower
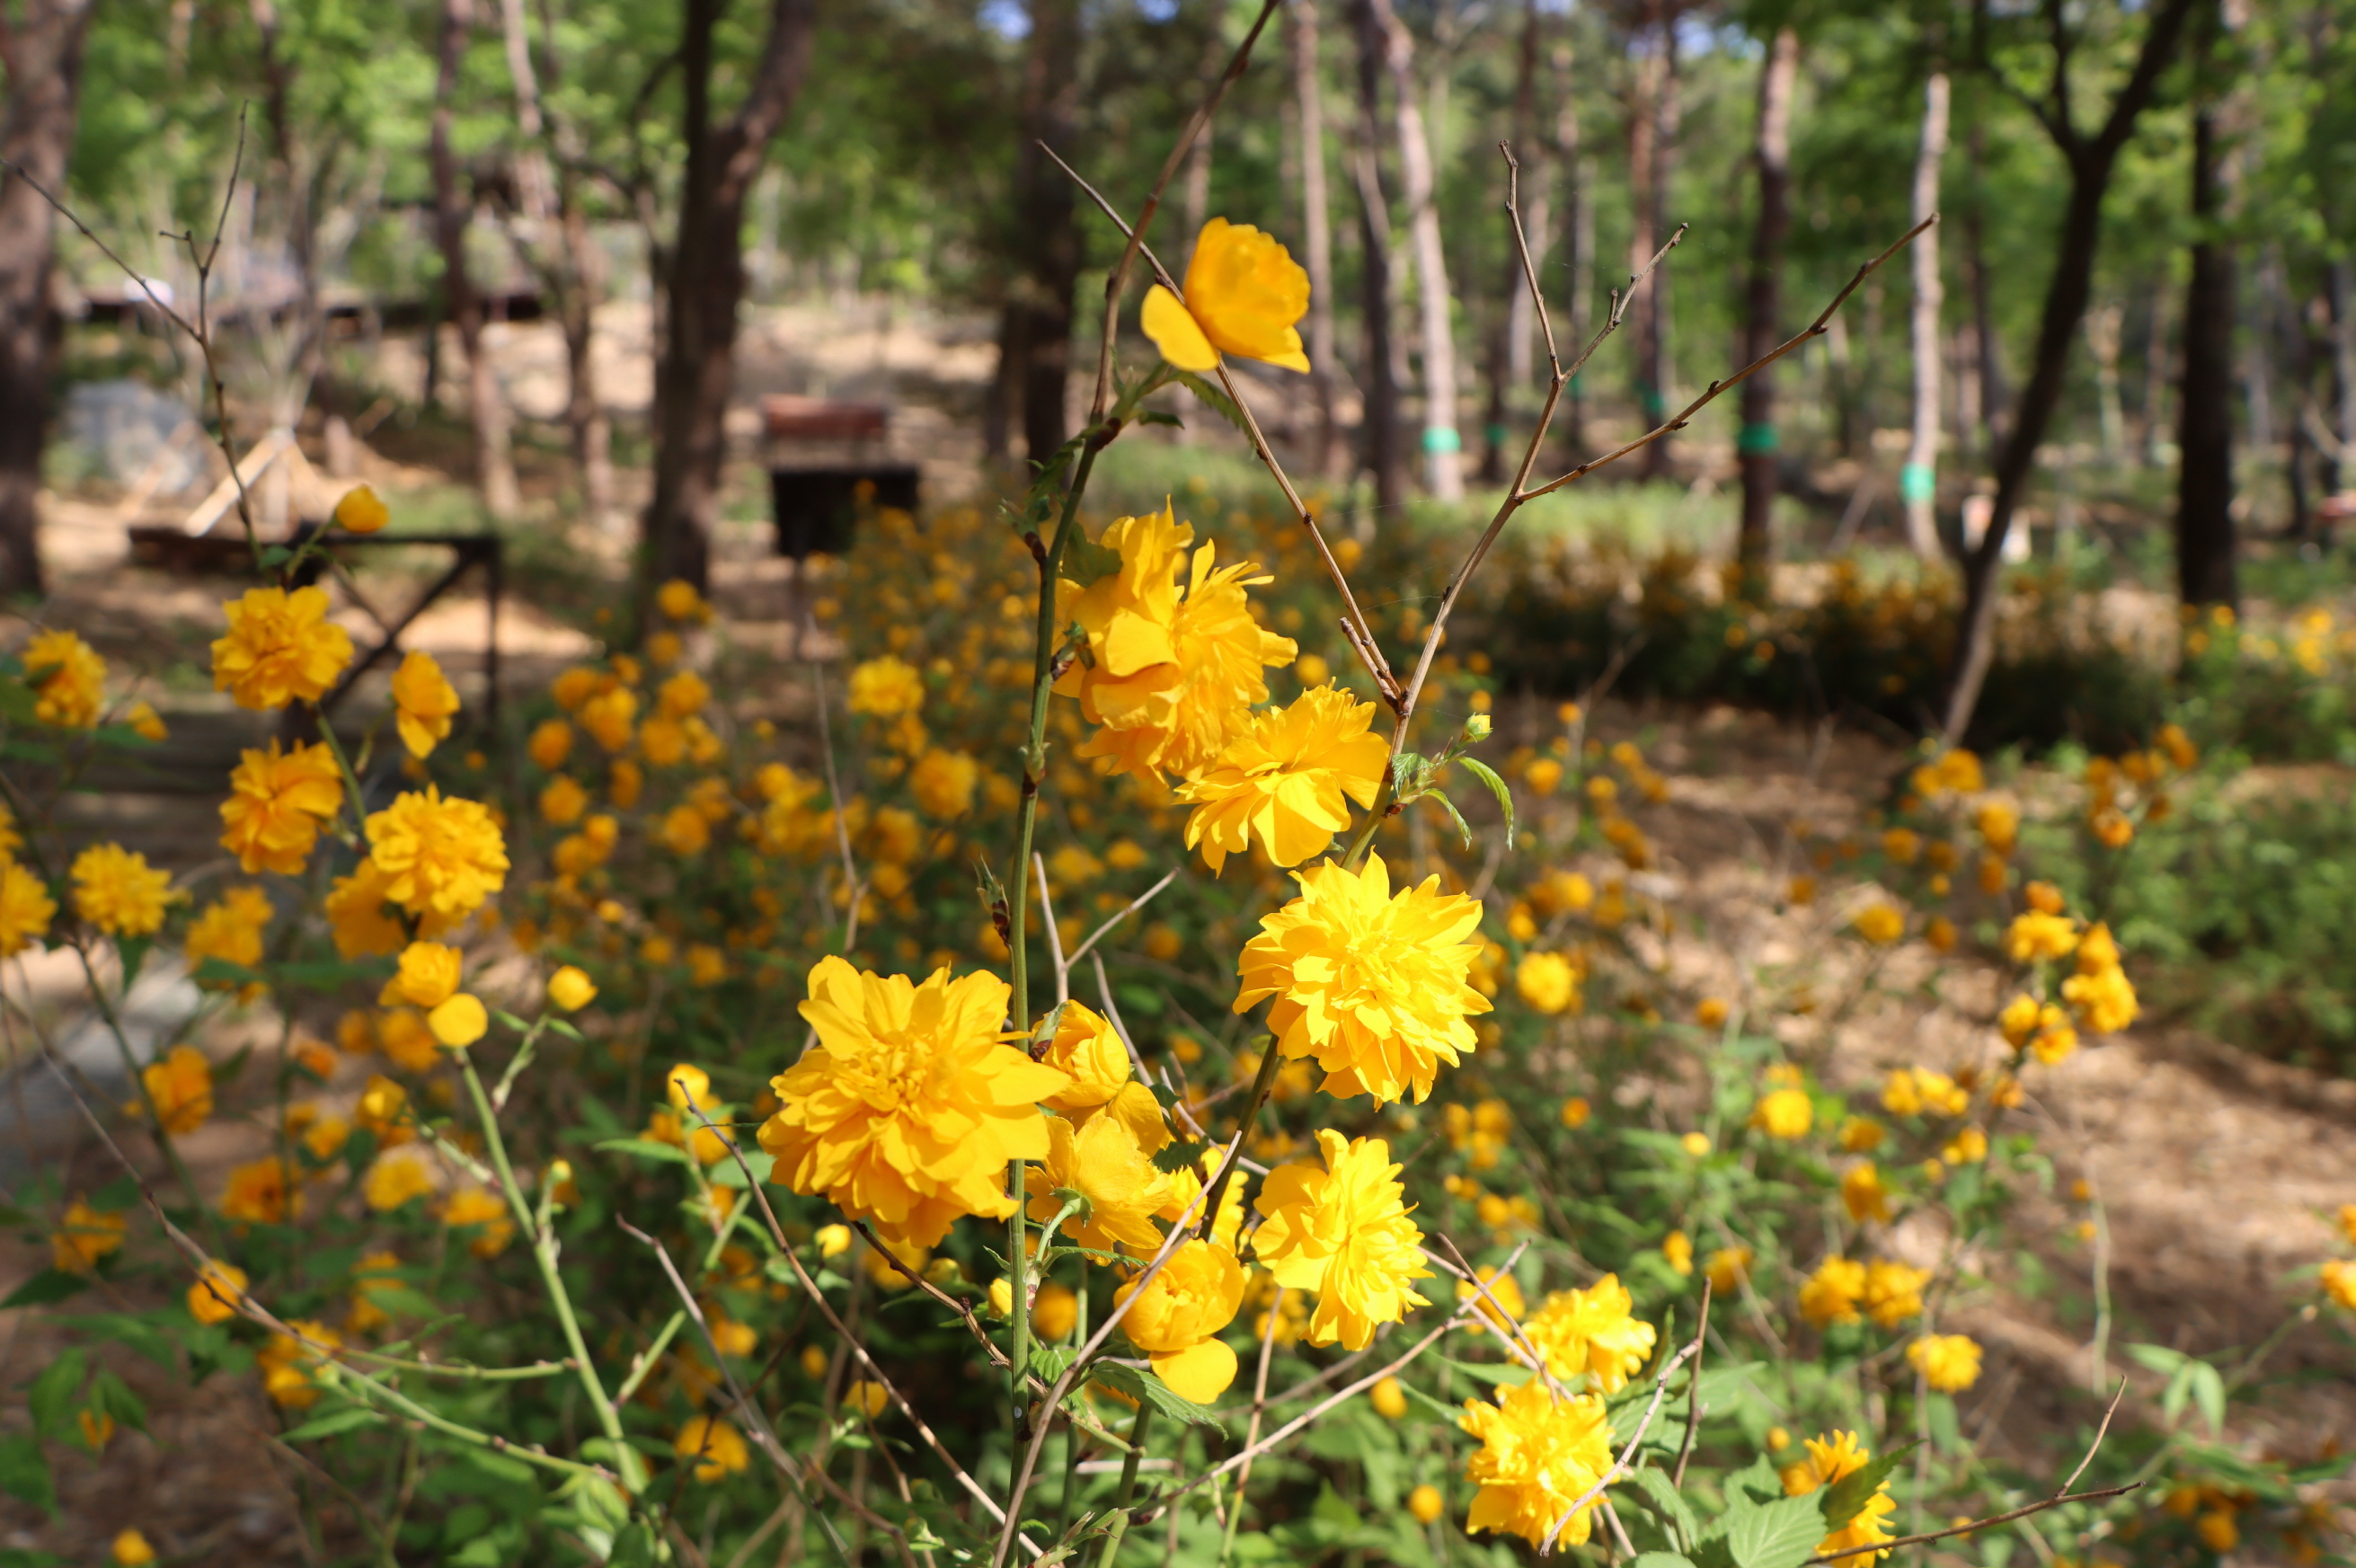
pixel 261 1192
pixel 213 1298
pixel 130 1549
pixel 1787 1113
pixel 943 783
pixel 610 716
pixel 486 1213
pixel 361 511
pixel 1054 1312
pixel 277 801
pixel 1343 1233
pixel 1425 1504
pixel 685 831
pixel 1728 1269
pixel 1881 924
pixel 1828 1460
pixel 2034 935
pixel 395 1179
pixel 1285 778
pixel 437 856
pixel 716 1449
pixel 562 801
pixel 1104 1162
pixel 1575 1112
pixel 423 702
pixel 2106 999
pixel 68 679
pixel 280 648
pixel 428 976
pixel 1912 1091
pixel 2338 1279
pixel 1950 1363
pixel 908 1109
pixel 1593 1331
pixel 1177 1319
pixel 181 1087
pixel 85 1236
pixel 677 599
pixel 1169 677
pixel 1087 1048
pixel 459 1022
pixel 285 1364
pixel 1244 295
pixel 230 928
pixel 1863 1195
pixel 1831 1295
pixel 571 989
pixel 1548 981
pixel 1370 986
pixel 1893 1292
pixel 886 687
pixel 1503 1291
pixel 1538 1455
pixel 119 892
pixel 1677 1247
pixel 355 911
pixel 871 1399
pixel 25 908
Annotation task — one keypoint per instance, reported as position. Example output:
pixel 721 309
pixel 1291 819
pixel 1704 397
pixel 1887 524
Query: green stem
pixel 1260 1085
pixel 1137 1431
pixel 351 1383
pixel 543 1252
pixel 1357 854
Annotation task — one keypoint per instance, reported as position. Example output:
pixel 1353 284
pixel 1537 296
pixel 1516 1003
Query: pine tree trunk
pixel 1035 340
pixel 1578 245
pixel 1659 362
pixel 486 410
pixel 1757 443
pixel 1918 483
pixel 2204 489
pixel 1642 114
pixel 1317 233
pixel 44 80
pixel 1380 436
pixel 1443 446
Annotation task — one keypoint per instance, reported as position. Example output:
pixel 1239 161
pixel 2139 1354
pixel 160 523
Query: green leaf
pixel 2209 1394
pixel 1217 398
pixel 1845 1498
pixel 1179 1156
pixel 333 1421
pixel 126 1328
pixel 1665 1502
pixel 1783 1534
pixel 1463 828
pixel 727 1173
pixel 1148 1389
pixel 645 1149
pixel 48 1285
pixel 1659 1560
pixel 1159 416
pixel 57 1392
pixel 1488 775
pixel 1503 1374
pixel 1084 560
pixel 25 1472
pixel 109 1395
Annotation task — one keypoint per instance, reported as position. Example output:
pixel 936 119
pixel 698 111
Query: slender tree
pixel 1380 432
pixel 41 49
pixel 1918 482
pixel 1443 446
pixel 453 207
pixel 1317 232
pixel 2205 486
pixel 1757 443
pixel 1508 359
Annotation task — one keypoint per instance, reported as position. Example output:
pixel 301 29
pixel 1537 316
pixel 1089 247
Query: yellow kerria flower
pixel 25 908
pixel 1893 1292
pixel 2035 935
pixel 1343 1233
pixel 1538 1455
pixel 437 856
pixel 119 892
pixel 943 783
pixel 355 909
pixel 423 702
pixel 1103 1162
pixel 277 801
pixel 1244 295
pixel 1862 1193
pixel 181 1087
pixel 230 928
pixel 571 989
pixel 1087 1048
pixel 1831 1295
pixel 1177 1320
pixel 908 1109
pixel 1594 1331
pixel 1548 981
pixel 1950 1363
pixel 260 1192
pixel 886 687
pixel 1828 1460
pixel 396 1178
pixel 1171 676
pixel 428 976
pixel 716 1449
pixel 68 679
pixel 362 511
pixel 1374 988
pixel 1786 1113
pixel 1881 924
pixel 285 1364
pixel 2339 1280
pixel 1285 777
pixel 1729 1268
pixel 1503 1291
pixel 486 1213
pixel 131 1550
pixel 214 1298
pixel 85 1235
pixel 280 648
pixel 2106 1001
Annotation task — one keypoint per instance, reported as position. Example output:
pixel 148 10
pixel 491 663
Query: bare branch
pixel 1522 249
pixel 1621 1466
pixel 1134 906
pixel 2053 1502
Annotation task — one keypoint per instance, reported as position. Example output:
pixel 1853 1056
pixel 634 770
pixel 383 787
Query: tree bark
pixel 454 206
pixel 1579 242
pixel 41 47
pixel 705 283
pixel 1317 232
pixel 1918 483
pixel 2090 162
pixel 1659 363
pixel 1757 443
pixel 1642 112
pixel 2204 484
pixel 1988 351
pixel 1443 446
pixel 1035 338
pixel 1380 432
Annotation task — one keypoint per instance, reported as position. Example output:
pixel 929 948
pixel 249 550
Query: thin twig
pixel 2035 1508
pixel 1134 906
pixel 1055 936
pixel 1694 1409
pixel 2100 1432
pixel 1621 1466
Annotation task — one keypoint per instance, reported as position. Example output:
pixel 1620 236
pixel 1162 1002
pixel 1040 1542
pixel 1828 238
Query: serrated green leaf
pixel 1781 1534
pixel 1463 828
pixel 728 1174
pixel 55 1392
pixel 1159 416
pixel 1175 1158
pixel 1845 1498
pixel 109 1395
pixel 1084 560
pixel 25 1472
pixel 336 1421
pixel 1663 1499
pixel 1488 775
pixel 1148 1389
pixel 1659 1560
pixel 1218 399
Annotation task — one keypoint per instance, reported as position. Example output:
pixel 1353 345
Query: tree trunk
pixel 1918 482
pixel 453 208
pixel 1509 343
pixel 1579 242
pixel 2205 486
pixel 1659 362
pixel 2155 378
pixel 1443 447
pixel 1642 111
pixel 43 48
pixel 1035 340
pixel 1317 233
pixel 1988 351
pixel 2090 163
pixel 1380 432
pixel 1757 443
pixel 705 281
pixel 2103 326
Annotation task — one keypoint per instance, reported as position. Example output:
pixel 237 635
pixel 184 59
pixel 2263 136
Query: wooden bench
pixel 826 460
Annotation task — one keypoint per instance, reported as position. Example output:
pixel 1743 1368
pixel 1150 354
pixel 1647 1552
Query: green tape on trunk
pixel 1917 482
pixel 1757 440
pixel 1441 438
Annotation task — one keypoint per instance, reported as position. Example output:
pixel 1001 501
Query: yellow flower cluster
pixel 1829 1459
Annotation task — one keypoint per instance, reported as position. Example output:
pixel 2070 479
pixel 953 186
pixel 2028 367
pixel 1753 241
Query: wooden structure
pixel 826 460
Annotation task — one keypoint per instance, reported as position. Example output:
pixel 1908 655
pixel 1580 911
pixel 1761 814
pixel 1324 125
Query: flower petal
pixel 1177 334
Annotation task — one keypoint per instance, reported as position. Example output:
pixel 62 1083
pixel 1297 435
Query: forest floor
pixel 2214 1170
